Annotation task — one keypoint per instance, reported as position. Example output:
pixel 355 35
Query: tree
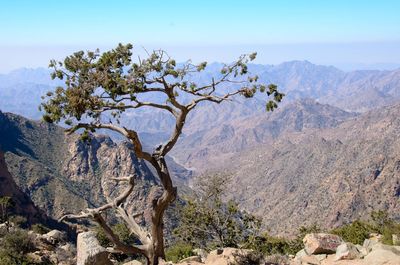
pixel 207 221
pixel 5 203
pixel 100 87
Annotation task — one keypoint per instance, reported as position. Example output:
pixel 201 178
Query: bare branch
pixel 118 245
pixel 90 213
pixel 143 235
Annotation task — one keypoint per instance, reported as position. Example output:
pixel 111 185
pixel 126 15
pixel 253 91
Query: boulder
pixel 347 251
pixel 54 236
pixel 320 243
pixel 383 254
pixel 226 256
pixel 89 250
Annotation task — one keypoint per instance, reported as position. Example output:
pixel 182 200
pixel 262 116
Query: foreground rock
pixel 89 250
pixel 383 254
pixel 347 251
pixel 320 243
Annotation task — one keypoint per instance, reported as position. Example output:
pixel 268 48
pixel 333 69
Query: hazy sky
pixel 347 32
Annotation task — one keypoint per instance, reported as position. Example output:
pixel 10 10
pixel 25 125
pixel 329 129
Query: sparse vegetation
pixel 110 83
pixel 178 252
pixel 14 247
pixel 209 222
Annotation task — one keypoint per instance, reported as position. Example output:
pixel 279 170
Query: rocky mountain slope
pixel 22 204
pixel 214 147
pixel 63 174
pixel 326 176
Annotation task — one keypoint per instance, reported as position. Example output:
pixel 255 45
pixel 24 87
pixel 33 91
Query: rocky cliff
pixel 325 176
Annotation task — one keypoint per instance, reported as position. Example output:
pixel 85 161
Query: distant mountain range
pixel 329 154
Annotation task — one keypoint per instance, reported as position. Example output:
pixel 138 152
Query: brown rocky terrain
pixel 325 176
pixel 208 148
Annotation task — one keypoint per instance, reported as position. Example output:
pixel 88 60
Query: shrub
pixel 385 226
pixel 178 252
pixel 356 232
pixel 40 229
pixel 14 247
pixel 18 221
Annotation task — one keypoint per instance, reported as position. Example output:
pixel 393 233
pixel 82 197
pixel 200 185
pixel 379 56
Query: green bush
pixel 40 229
pixel 14 247
pixel 356 232
pixel 385 226
pixel 18 221
pixel 178 252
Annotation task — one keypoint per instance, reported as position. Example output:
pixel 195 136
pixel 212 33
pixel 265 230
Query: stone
pixel 320 243
pixel 191 259
pixel 300 254
pixel 54 236
pixel 363 251
pixel 320 257
pixel 226 256
pixel 133 262
pixel 202 253
pixel 383 255
pixel 310 260
pixel 347 251
pixel 89 250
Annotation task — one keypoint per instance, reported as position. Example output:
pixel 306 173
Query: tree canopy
pixel 99 87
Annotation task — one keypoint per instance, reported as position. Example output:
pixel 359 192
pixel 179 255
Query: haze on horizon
pixel 347 34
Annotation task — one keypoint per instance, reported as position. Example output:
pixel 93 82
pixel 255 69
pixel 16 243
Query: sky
pixel 344 33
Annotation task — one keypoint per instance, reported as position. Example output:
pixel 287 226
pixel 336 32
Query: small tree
pixel 5 203
pixel 110 84
pixel 207 221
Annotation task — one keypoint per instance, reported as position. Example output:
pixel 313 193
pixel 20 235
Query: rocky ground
pixel 319 249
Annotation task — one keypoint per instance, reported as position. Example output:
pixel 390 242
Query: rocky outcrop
pixel 371 253
pixel 22 204
pixel 321 243
pixel 89 250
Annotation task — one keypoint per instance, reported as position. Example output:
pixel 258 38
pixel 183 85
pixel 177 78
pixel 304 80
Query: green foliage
pixel 270 245
pixel 385 226
pixel 5 204
pixel 40 229
pixel 208 222
pixel 99 82
pixel 18 221
pixel 355 232
pixel 178 252
pixel 121 230
pixel 14 247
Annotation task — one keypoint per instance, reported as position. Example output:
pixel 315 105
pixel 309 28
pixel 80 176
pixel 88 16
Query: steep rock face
pixel 22 204
pixel 63 174
pixel 327 176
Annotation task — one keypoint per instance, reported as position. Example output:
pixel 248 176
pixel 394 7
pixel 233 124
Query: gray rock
pixel 383 255
pixel 363 251
pixel 191 259
pixel 89 250
pixel 347 251
pixel 54 236
pixel 202 253
pixel 300 254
